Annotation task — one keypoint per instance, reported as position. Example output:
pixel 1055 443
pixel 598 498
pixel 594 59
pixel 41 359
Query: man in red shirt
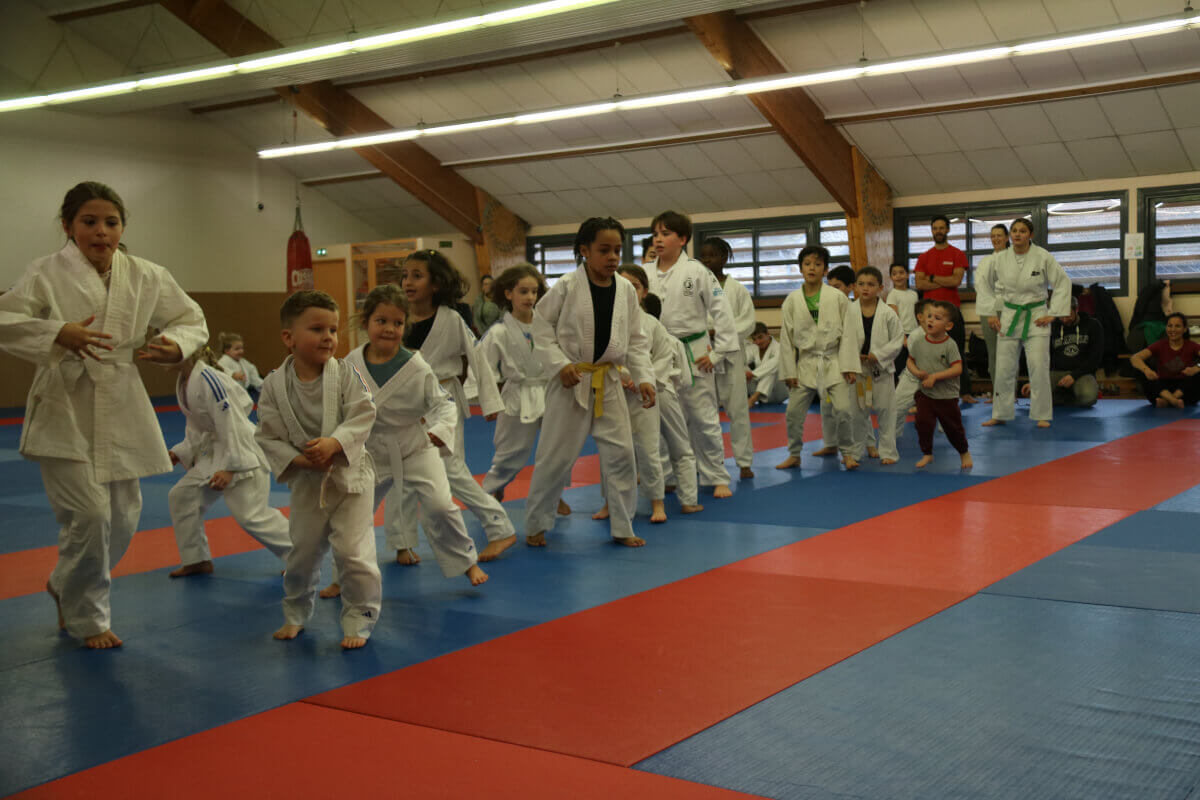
pixel 939 273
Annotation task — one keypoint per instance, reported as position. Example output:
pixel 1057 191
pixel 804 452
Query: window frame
pixel 1036 205
pixel 1145 267
pixel 811 223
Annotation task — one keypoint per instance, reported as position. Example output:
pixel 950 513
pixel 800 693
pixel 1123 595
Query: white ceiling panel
pixel 955 23
pixel 651 197
pixel 690 161
pixel 584 203
pixel 550 210
pixel 1101 158
pixel 846 97
pixel 802 186
pixel 1130 10
pixel 621 203
pixel 939 85
pixel 900 29
pixel 652 166
pixel 1071 15
pixel 685 59
pixel 1049 163
pixel 732 155
pixel 1135 112
pixel 772 152
pixel 907 175
pixel 1080 118
pixel 1009 18
pixel 614 169
pixel 516 176
pixel 1182 104
pixel 993 77
pixel 687 198
pixel 1169 52
pixel 725 192
pixel 890 91
pixel 487 179
pixel 953 172
pixel 815 40
pixel 524 209
pixel 877 139
pixel 925 135
pixel 520 85
pixel 1190 138
pixel 1022 125
pixel 1048 70
pixel 999 167
pixel 562 85
pixel 1156 153
pixel 1108 62
pixel 973 130
pixel 642 72
pixel 764 189
pixel 551 175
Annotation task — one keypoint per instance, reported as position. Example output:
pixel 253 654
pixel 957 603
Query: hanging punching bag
pixel 299 258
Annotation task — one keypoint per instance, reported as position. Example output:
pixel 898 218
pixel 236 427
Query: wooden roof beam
pixel 96 11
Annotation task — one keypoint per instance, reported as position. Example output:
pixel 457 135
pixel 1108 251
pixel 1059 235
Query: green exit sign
pixel 444 245
pixel 321 251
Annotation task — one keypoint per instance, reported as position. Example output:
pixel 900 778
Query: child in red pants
pixel 935 361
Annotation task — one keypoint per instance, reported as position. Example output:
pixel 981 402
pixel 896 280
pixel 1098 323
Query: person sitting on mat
pixel 1173 382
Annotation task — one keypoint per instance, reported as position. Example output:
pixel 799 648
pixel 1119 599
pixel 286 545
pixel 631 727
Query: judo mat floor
pixel 1026 629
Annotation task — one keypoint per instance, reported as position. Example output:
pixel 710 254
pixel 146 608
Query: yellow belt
pixel 599 373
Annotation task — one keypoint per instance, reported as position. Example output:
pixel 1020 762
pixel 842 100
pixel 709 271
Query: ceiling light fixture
pixel 754 86
pixel 303 55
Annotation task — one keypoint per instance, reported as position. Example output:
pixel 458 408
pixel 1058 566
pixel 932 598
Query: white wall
pixel 190 189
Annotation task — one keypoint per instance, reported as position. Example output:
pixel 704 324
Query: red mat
pixel 622 681
pixel 301 750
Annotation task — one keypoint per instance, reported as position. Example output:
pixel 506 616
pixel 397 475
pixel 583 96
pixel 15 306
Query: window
pixel 1171 220
pixel 1083 234
pixel 554 256
pixel 766 252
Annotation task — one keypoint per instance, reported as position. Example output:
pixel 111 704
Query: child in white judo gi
pixel 81 316
pixel 731 375
pixel 433 287
pixel 414 419
pixel 907 385
pixel 1023 290
pixel 508 347
pixel 903 301
pixel 762 368
pixel 690 294
pixel 314 417
pixel 587 326
pixel 234 362
pixel 873 335
pixel 811 362
pixel 222 460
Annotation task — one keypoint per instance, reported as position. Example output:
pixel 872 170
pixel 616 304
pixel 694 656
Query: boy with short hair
pixel 811 362
pixel 315 414
pixel 874 336
pixel 762 368
pixel 842 278
pixel 934 360
pixel 690 294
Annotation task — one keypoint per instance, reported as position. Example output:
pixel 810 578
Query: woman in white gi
pixel 508 347
pixel 415 418
pixel 432 287
pixel 731 377
pixel 1023 290
pixel 587 326
pixel 873 335
pixel 222 460
pixel 234 361
pixel 80 315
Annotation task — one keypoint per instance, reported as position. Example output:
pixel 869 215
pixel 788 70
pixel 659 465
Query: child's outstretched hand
pixel 78 338
pixel 321 451
pixel 161 351
pixel 648 395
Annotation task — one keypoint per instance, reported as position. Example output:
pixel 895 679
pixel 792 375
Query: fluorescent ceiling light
pixel 305 55
pixel 745 87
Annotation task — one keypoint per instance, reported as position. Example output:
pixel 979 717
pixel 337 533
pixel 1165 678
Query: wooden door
pixel 330 277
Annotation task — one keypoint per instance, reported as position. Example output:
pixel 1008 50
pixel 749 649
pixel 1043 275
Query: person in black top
pixel 1076 350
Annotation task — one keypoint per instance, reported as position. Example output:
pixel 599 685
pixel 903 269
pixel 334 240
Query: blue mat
pixel 1185 501
pixel 996 698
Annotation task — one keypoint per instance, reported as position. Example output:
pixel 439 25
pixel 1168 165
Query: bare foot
pixel 969 400
pixel 476 576
pixel 353 642
pixel 1043 423
pixel 288 632
pixel 887 462
pixel 62 623
pixel 602 513
pixel 669 489
pixel 967 463
pixel 494 549
pixel 658 512
pixel 850 462
pixel 825 451
pixel 1160 402
pixel 103 641
pixel 721 491
pixel 536 539
pixel 925 461
pixel 407 557
pixel 199 568
pixel 987 423
pixel 564 510
pixel 1176 400
pixel 631 541
pixel 746 473
pixel 685 509
pixel 330 591
pixel 872 452
pixel 791 462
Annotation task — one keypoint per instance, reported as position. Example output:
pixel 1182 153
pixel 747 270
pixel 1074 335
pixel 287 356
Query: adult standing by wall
pixel 1000 243
pixel 938 274
pixel 486 312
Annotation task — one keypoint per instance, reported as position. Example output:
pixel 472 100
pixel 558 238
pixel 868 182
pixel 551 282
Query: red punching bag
pixel 299 258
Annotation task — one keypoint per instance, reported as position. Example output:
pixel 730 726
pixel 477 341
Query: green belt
pixel 1022 310
pixel 687 340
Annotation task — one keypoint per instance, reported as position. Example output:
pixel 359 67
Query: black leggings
pixel 1189 385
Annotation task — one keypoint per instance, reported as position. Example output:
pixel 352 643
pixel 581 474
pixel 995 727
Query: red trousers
pixel 930 412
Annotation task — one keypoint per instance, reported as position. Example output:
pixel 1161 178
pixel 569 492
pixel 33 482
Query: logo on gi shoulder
pixel 689 287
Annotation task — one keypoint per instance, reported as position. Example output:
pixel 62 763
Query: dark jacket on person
pixel 1110 322
pixel 1077 348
